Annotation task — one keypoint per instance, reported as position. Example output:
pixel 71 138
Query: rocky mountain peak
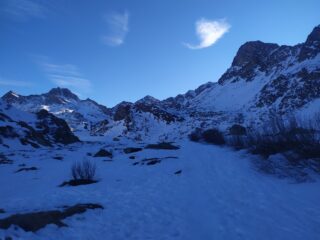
pixel 122 111
pixel 314 36
pixel 63 93
pixel 253 53
pixel 10 97
pixel 251 56
pixel 311 47
pixel 147 100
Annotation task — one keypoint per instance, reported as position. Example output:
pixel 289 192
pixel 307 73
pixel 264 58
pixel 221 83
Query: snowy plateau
pixel 145 178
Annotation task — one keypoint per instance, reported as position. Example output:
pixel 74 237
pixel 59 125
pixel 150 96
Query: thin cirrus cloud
pixel 13 83
pixel 24 9
pixel 208 32
pixel 67 76
pixel 118 27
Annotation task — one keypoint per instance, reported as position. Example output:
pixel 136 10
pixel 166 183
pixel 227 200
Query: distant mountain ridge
pixel 263 77
pixel 62 103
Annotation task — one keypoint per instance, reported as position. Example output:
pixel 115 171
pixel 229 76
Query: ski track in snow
pixel 218 195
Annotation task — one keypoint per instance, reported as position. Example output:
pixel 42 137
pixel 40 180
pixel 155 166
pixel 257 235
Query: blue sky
pixel 119 50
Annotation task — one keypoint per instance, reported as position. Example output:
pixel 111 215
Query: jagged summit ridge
pixel 147 100
pixel 256 57
pixel 79 114
pixel 314 36
pixel 10 96
pixel 253 53
pixel 63 93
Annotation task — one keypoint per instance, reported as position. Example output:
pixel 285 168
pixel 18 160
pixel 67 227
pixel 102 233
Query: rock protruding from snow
pixel 40 129
pixel 56 127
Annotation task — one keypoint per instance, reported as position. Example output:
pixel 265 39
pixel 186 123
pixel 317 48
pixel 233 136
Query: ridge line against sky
pixel 109 50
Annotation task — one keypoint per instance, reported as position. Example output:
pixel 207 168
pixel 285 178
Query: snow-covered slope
pixel 217 195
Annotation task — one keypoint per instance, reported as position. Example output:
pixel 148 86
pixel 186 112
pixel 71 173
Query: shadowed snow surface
pixel 218 195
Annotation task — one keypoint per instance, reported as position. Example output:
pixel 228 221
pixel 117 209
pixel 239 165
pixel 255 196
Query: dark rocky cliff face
pixel 122 111
pixel 312 45
pixel 267 57
pixel 251 56
pixel 158 112
pixel 47 130
pixel 63 92
pixel 56 127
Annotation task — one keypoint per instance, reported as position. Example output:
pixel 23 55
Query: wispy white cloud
pixel 118 27
pixel 24 9
pixel 209 32
pixel 66 75
pixel 13 83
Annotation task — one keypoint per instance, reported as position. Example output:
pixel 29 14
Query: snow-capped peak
pixel 63 93
pixel 10 96
pixel 147 100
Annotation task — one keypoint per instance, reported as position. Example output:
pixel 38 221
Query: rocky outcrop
pixel 122 111
pixel 158 112
pixel 34 221
pixel 56 127
pixel 41 129
pixel 312 45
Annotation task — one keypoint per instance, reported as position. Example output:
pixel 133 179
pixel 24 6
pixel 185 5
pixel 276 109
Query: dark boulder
pixel 131 150
pixel 103 153
pixel 213 136
pixel 78 182
pixel 37 220
pixel 26 169
pixel 238 130
pixel 162 145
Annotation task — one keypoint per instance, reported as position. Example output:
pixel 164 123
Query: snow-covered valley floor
pixel 218 195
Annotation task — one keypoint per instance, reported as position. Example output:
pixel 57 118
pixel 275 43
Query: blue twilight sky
pixel 115 50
